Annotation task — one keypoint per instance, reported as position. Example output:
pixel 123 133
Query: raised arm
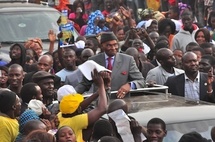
pixel 96 113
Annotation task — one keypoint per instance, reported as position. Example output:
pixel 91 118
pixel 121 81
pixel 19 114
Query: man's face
pixel 90 44
pixel 47 87
pixel 44 64
pixel 152 28
pixel 190 63
pixel 208 51
pixel 137 43
pixel 187 21
pixel 155 133
pixel 86 55
pixel 169 59
pixel 110 47
pixel 69 58
pixel 17 106
pixel 178 54
pixel 15 77
pixel 204 65
pixel 154 37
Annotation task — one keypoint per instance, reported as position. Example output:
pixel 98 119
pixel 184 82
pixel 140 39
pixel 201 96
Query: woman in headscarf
pixel 96 23
pixel 35 44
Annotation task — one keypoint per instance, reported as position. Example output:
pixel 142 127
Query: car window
pixel 175 131
pixel 20 26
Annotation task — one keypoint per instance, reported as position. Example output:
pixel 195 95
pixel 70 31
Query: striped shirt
pixel 191 88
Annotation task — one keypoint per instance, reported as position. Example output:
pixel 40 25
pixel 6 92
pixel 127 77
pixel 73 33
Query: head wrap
pixel 31 43
pixel 26 116
pixel 70 103
pixel 91 29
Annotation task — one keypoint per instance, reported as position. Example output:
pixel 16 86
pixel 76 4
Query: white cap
pixel 65 90
pixel 80 44
pixel 36 106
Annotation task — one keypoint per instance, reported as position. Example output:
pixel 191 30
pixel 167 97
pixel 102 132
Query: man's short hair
pixel 157 121
pixel 210 58
pixel 7 100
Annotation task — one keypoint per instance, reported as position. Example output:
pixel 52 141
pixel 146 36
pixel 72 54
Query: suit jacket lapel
pixel 202 86
pixel 101 60
pixel 180 86
pixel 116 65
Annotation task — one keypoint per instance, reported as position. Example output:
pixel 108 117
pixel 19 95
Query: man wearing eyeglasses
pixel 125 74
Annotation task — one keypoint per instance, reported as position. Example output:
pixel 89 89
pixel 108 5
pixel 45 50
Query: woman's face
pixel 200 38
pixel 167 31
pixel 37 49
pixel 39 93
pixel 15 52
pixel 66 134
pixel 3 77
pixel 120 35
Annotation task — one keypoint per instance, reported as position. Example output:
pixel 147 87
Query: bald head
pixel 45 63
pixel 187 55
pixel 33 125
pixel 117 104
pixel 47 57
pixel 132 51
pixel 161 53
pixel 15 66
pixel 86 53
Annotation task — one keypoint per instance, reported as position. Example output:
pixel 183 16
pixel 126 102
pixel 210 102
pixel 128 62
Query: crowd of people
pixel 43 94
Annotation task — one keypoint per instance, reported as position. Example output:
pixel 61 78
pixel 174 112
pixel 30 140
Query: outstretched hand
pixel 106 78
pixel 125 12
pixel 97 79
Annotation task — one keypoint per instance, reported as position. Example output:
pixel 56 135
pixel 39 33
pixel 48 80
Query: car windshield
pixel 175 131
pixel 20 26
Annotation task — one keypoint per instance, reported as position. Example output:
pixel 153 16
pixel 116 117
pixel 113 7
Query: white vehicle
pixel 180 116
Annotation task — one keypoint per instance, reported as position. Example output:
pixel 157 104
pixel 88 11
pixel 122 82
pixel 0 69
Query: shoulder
pixel 156 69
pixel 124 56
pixel 177 77
pixel 178 70
pixel 100 55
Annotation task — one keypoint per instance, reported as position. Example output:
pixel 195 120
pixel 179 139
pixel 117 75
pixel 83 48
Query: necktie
pixel 109 66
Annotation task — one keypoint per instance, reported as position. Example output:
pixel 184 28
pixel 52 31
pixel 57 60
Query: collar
pixel 106 56
pixel 196 79
pixel 193 25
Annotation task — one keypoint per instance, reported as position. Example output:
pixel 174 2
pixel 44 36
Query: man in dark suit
pixel 125 74
pixel 193 85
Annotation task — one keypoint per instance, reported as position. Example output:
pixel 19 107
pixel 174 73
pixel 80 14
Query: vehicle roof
pixel 23 6
pixel 173 109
